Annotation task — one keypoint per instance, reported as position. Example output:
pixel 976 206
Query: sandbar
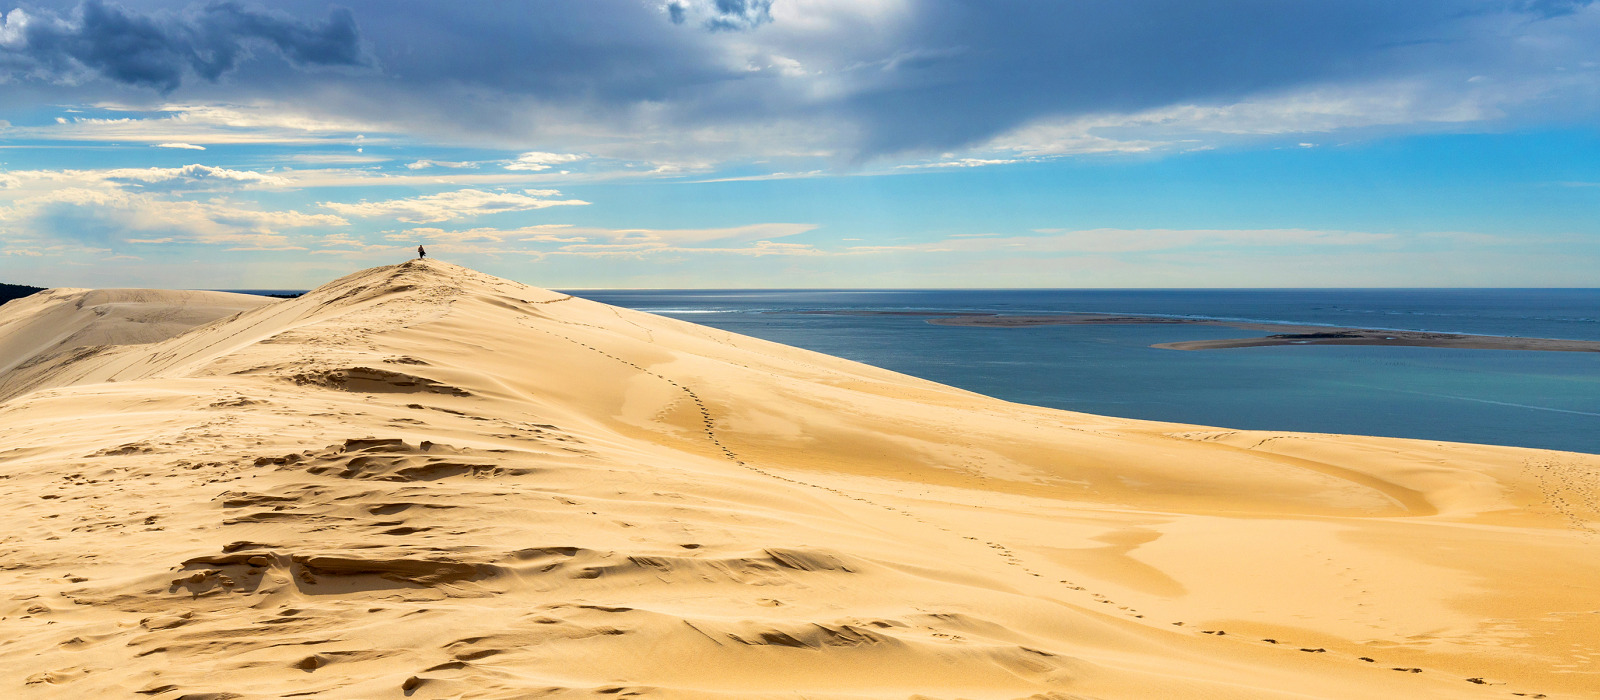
pixel 421 481
pixel 1280 334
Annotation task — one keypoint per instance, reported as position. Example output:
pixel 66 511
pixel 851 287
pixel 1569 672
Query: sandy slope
pixel 420 481
pixel 76 320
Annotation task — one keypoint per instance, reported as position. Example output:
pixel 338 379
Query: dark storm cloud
pixel 942 74
pixel 159 49
pixel 1024 60
pixel 861 77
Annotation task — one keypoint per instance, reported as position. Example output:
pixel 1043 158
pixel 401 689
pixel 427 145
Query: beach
pixel 423 481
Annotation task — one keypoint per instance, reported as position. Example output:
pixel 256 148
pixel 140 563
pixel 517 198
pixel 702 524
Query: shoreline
pixel 1281 334
pixel 520 449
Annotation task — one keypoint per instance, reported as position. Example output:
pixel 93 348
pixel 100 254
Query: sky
pixel 235 144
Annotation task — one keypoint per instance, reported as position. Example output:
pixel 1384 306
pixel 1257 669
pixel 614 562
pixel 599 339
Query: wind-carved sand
pixel 421 481
pixel 83 320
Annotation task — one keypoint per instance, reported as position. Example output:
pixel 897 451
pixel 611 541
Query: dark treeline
pixel 16 291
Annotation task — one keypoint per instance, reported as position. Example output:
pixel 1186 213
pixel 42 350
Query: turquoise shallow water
pixel 1530 399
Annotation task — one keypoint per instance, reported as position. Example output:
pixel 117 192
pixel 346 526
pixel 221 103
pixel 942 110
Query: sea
pixel 1545 400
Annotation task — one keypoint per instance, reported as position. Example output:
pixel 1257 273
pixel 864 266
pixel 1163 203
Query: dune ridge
pixel 422 481
pixel 53 321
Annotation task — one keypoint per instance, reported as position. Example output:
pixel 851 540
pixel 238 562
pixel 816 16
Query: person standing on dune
pixel 421 253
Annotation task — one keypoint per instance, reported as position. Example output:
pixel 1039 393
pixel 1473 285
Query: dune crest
pixel 422 481
pixel 34 328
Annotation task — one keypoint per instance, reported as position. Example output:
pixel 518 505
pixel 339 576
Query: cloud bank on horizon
pixel 139 136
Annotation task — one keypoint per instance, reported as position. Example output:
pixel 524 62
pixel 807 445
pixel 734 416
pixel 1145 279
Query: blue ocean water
pixel 1530 399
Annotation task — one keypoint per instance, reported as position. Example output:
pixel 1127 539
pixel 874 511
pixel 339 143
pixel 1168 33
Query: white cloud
pixel 1196 126
pixel 550 233
pixel 679 237
pixel 340 239
pixel 13 29
pixel 425 163
pixel 447 206
pixel 537 160
pixel 631 250
pixel 194 175
pixel 561 240
pixel 118 215
pixel 188 146
pixel 193 172
pixel 961 163
pixel 47 184
pixel 633 237
pixel 69 251
pixel 200 124
pixel 356 177
pixel 344 243
pixel 769 176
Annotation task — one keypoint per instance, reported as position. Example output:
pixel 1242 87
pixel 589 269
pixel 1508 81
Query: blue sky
pixel 804 143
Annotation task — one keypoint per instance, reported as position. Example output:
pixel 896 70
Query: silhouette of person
pixel 421 253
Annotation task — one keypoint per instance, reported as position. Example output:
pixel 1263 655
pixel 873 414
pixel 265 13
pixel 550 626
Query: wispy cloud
pixel 631 237
pixel 554 233
pixel 198 125
pixel 189 177
pixel 959 163
pixel 752 232
pixel 1113 241
pixel 192 173
pixel 448 206
pixel 454 164
pixel 109 217
pixel 754 240
pixel 768 176
pixel 1324 109
pixel 538 160
pixel 643 249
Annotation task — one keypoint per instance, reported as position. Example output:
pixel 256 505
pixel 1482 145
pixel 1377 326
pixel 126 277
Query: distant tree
pixel 17 291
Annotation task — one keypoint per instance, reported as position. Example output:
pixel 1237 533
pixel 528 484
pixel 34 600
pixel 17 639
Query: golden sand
pixel 421 481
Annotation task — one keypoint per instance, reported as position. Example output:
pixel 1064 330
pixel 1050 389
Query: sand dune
pixel 82 320
pixel 420 481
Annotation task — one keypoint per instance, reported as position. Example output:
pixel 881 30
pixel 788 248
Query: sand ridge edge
pixel 422 481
